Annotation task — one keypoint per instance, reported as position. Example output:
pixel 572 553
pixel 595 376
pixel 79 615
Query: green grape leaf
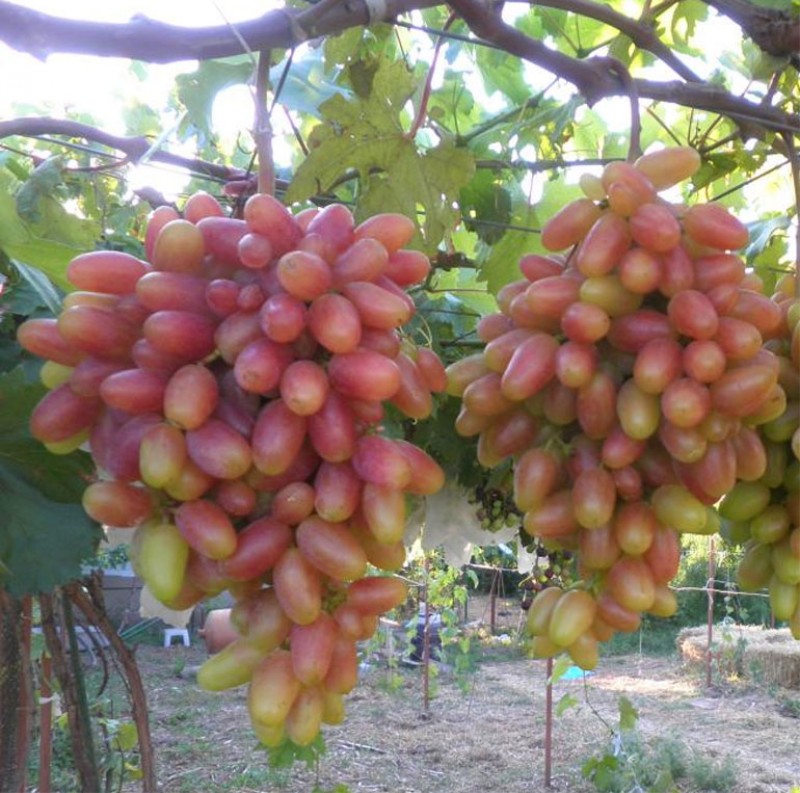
pixel 342 48
pixel 628 714
pixel 24 299
pixel 683 25
pixel 50 257
pixel 429 180
pixel 499 265
pixel 530 24
pixel 125 736
pixel 761 233
pixel 41 287
pixel 503 74
pixel 13 230
pixel 197 90
pixel 42 542
pixel 45 534
pixel 41 184
pixel 141 119
pixel 306 86
pixel 364 136
pixel 57 477
pixel 560 667
pixel 715 166
pixel 24 244
pixel 287 753
pixel 486 206
pixel 564 704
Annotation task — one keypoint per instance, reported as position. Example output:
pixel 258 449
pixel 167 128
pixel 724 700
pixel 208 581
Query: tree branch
pixel 148 40
pixel 595 80
pixel 775 31
pixel 133 147
pixel 640 34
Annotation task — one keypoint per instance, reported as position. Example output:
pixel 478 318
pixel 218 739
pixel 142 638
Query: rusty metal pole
pixel 493 604
pixel 548 726
pixel 712 573
pixel 426 646
pixel 46 724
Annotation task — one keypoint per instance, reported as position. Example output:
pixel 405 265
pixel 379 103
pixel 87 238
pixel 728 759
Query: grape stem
pixel 262 133
pixel 422 111
pixel 794 162
pixel 619 70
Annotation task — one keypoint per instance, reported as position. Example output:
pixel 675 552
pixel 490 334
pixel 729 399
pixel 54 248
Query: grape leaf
pixel 564 704
pixel 500 264
pixel 141 119
pixel 306 86
pixel 503 74
pixel 761 232
pixel 341 48
pixel 430 179
pixel 197 90
pixel 45 534
pixel 560 667
pixel 364 135
pixel 683 27
pixel 20 243
pixel 486 206
pixel 24 299
pixel 41 184
pixel 56 477
pixel 41 287
pixel 42 542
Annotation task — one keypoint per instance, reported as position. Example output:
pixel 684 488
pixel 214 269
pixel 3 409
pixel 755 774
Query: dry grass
pixel 491 738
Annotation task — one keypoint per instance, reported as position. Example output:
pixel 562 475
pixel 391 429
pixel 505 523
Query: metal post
pixel 426 647
pixel 712 573
pixel 46 724
pixel 493 604
pixel 548 725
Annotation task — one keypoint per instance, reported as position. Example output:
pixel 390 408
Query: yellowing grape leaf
pixel 364 136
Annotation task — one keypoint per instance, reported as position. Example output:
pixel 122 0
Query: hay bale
pixel 767 656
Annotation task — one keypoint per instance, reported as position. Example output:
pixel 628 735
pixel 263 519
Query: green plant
pixel 660 765
pixel 789 706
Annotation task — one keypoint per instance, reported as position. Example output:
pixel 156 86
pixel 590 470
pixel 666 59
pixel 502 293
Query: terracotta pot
pixel 218 631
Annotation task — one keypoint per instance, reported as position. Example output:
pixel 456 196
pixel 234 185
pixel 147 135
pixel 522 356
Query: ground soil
pixel 489 737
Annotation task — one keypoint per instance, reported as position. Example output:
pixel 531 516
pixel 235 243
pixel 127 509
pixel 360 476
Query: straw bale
pixel 766 655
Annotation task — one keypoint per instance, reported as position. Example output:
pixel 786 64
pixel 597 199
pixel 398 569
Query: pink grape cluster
pixel 231 389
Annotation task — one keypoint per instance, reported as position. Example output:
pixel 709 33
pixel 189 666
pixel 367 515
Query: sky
pixel 76 83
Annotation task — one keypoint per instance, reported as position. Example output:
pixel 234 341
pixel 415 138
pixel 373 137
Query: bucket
pixel 218 631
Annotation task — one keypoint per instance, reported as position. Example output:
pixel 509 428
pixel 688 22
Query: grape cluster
pixel 764 512
pixel 231 389
pixel 494 508
pixel 627 381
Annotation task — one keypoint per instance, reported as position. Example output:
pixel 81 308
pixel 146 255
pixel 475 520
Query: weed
pixel 709 774
pixel 659 766
pixel 787 706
